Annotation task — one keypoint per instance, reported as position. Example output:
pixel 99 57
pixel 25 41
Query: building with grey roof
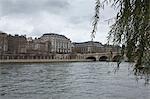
pixel 57 43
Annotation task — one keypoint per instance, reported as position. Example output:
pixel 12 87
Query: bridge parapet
pixel 99 56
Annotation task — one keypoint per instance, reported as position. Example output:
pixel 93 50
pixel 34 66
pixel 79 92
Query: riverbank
pixel 42 60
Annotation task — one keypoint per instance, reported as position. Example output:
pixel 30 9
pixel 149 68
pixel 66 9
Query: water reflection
pixel 139 72
pixel 143 73
pixel 87 80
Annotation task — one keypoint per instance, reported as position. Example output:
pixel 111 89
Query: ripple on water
pixel 87 80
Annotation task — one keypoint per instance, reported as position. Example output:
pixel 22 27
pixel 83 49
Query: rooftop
pixel 89 43
pixel 54 34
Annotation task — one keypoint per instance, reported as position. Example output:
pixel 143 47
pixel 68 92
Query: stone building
pixel 88 47
pixel 56 43
pixel 17 44
pixel 36 46
pixel 112 48
pixel 3 43
pixel 93 47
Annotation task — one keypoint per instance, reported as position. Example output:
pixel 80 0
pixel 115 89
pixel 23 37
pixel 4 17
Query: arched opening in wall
pixel 103 58
pixel 116 58
pixel 91 58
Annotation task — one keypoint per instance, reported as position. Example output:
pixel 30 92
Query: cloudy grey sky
pixel 72 18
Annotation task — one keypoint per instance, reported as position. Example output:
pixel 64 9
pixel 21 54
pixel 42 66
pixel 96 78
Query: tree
pixel 131 28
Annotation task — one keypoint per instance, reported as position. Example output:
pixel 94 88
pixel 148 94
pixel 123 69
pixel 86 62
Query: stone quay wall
pixel 42 60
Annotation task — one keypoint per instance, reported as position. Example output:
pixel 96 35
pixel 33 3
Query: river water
pixel 78 80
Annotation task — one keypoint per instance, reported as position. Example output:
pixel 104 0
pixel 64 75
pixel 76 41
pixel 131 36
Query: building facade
pixel 3 43
pixel 88 47
pixel 93 47
pixel 36 46
pixel 48 46
pixel 17 44
pixel 56 43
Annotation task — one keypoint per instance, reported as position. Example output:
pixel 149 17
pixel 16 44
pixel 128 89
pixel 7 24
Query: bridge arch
pixel 116 58
pixel 103 58
pixel 92 58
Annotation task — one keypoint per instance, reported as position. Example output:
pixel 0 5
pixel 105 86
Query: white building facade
pixel 57 43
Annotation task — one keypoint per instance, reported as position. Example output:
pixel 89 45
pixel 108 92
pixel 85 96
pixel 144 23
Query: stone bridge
pixel 114 56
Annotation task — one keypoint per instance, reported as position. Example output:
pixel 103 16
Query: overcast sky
pixel 72 18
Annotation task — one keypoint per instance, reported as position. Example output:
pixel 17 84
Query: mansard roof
pixel 54 34
pixel 1 32
pixel 88 43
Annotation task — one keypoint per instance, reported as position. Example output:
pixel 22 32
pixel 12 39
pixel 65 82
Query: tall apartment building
pixel 3 43
pixel 16 44
pixel 56 43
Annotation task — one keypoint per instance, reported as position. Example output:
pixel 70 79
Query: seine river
pixel 77 80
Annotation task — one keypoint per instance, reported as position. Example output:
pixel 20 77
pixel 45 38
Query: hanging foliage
pixel 131 28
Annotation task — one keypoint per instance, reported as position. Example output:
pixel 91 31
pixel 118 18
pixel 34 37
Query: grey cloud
pixel 79 19
pixel 70 17
pixel 58 3
pixel 32 6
